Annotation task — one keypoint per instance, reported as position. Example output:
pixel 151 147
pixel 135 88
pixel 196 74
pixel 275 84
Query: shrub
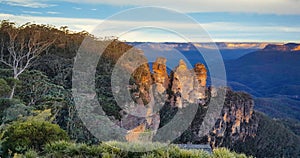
pixel 110 150
pixel 15 112
pixel 31 154
pixel 175 151
pixel 21 136
pixel 7 106
pixel 69 149
pixel 225 153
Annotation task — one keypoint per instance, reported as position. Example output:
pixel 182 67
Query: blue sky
pixel 226 21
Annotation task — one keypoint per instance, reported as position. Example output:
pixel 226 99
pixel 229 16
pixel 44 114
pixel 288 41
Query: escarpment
pixel 236 122
pixel 169 93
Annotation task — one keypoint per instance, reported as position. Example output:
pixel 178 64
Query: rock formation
pixel 160 75
pixel 201 74
pixel 236 121
pixel 180 89
pixel 188 85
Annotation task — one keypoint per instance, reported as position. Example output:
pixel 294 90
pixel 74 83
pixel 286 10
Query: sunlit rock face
pixel 188 85
pixel 182 83
pixel 179 89
pixel 143 80
pixel 201 74
pixel 297 48
pixel 160 75
pixel 236 122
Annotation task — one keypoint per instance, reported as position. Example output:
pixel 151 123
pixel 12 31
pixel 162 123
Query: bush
pixel 68 149
pixel 31 154
pixel 225 153
pixel 21 136
pixel 110 150
pixel 6 104
pixel 15 112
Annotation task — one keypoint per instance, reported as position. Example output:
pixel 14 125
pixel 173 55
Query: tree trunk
pixel 12 93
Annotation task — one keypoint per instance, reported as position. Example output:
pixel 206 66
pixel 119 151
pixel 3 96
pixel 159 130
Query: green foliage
pixel 41 115
pixel 31 154
pixel 15 112
pixel 37 90
pixel 128 150
pixel 291 124
pixel 7 105
pixel 272 140
pixel 4 88
pixel 225 153
pixel 174 151
pixel 21 136
pixel 68 149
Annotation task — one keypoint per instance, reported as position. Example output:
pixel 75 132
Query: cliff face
pixel 187 84
pixel 182 88
pixel 236 122
pixel 160 75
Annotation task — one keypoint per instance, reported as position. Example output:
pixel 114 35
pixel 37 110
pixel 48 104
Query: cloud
pixel 219 31
pixel 27 3
pixel 74 24
pixel 188 6
pixel 53 13
pixel 253 6
pixel 77 8
pixel 32 12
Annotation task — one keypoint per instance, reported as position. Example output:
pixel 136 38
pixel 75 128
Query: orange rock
pixel 201 74
pixel 134 134
pixel 160 75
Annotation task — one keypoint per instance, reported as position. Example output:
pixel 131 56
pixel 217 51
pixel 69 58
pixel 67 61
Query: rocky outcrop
pixel 180 89
pixel 160 75
pixel 236 122
pixel 188 85
pixel 143 81
pixel 201 74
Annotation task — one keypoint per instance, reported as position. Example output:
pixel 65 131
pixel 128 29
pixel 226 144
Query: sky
pixel 166 20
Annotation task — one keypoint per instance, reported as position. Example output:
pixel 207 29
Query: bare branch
pixel 7 64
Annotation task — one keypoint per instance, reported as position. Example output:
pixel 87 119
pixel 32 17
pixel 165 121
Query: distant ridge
pixel 205 45
pixel 289 47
